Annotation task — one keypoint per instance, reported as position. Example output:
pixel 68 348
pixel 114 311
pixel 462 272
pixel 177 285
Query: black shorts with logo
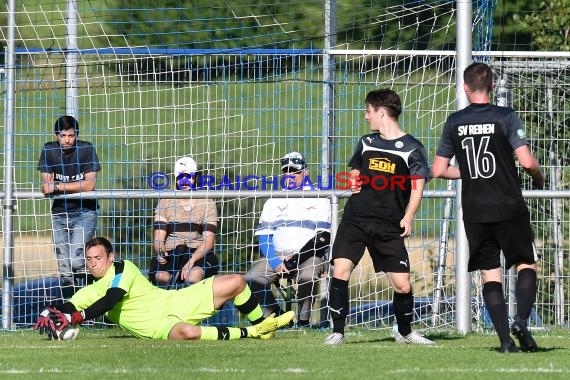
pixel 385 245
pixel 513 237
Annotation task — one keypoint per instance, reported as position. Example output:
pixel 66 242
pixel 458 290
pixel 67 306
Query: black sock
pixel 277 311
pixel 338 304
pixel 497 308
pixel 404 312
pixel 247 304
pixel 525 292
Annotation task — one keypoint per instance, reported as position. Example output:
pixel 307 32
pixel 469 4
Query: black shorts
pixel 178 257
pixel 385 245
pixel 487 240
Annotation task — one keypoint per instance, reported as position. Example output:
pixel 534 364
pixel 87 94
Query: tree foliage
pixel 219 24
pixel 549 25
pixel 507 33
pixel 216 24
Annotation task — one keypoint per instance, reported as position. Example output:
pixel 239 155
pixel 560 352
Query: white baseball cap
pixel 293 160
pixel 185 165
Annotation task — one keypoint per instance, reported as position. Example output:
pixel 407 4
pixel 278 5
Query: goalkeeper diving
pixel 124 295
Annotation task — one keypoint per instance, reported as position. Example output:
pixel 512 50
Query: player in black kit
pixel 484 138
pixel 389 170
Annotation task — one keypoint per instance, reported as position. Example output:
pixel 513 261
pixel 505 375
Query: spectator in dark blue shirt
pixel 67 166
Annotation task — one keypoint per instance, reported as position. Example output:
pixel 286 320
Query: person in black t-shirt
pixel 389 171
pixel 484 138
pixel 68 166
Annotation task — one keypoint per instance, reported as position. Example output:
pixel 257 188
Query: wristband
pixel 56 187
pixel 77 317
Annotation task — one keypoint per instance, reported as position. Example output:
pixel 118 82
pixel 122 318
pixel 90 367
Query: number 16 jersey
pixel 483 138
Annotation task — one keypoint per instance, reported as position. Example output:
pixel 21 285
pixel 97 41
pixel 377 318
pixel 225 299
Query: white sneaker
pixel 412 338
pixel 334 339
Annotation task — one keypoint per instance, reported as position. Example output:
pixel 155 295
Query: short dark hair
pixel 385 98
pixel 478 76
pixel 96 241
pixel 64 123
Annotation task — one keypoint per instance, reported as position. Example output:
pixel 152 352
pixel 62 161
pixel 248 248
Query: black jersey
pixel 389 166
pixel 483 138
pixel 70 167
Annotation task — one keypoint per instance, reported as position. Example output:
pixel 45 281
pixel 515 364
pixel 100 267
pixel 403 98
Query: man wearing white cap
pixel 294 238
pixel 184 234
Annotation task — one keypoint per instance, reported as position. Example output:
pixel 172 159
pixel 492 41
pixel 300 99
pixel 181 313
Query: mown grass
pixel 111 353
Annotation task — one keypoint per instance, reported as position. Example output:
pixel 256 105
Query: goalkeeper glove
pixel 45 324
pixel 62 320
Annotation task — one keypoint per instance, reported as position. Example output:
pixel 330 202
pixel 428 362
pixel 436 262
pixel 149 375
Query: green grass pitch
pixel 112 354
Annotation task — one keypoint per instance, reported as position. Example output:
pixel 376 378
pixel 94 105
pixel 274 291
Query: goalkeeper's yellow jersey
pixel 143 307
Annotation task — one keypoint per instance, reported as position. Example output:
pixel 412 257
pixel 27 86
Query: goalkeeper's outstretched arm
pixel 99 307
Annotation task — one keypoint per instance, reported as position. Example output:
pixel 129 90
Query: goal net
pixel 236 87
